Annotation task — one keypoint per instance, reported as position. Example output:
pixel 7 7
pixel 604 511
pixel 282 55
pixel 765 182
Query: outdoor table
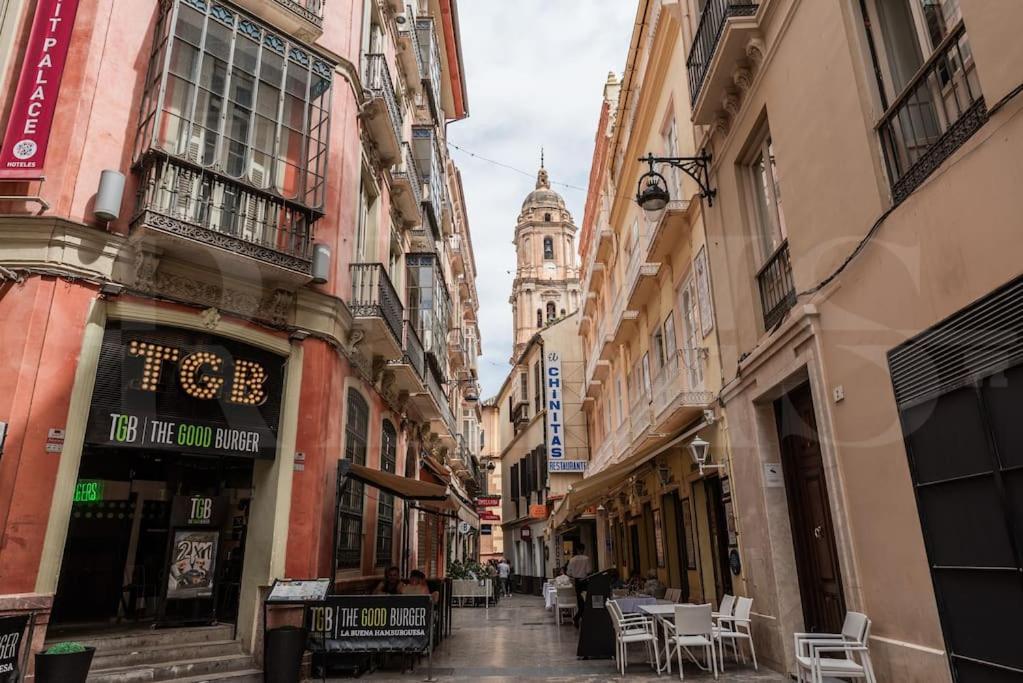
pixel 664 611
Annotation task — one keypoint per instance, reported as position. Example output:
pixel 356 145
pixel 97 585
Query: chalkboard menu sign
pixel 298 590
pixel 164 388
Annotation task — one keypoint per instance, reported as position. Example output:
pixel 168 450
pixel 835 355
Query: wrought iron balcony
pixel 382 114
pixel 300 18
pixel 935 113
pixel 426 151
pixel 377 309
pixel 183 200
pixel 410 369
pixel 708 34
pixel 407 188
pixel 777 289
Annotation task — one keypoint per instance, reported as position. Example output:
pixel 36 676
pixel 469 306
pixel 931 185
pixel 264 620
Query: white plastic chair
pixel 725 609
pixel 733 628
pixel 564 599
pixel 851 642
pixel 693 627
pixel 633 628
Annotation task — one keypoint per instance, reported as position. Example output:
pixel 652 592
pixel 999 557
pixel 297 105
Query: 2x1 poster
pixel 193 561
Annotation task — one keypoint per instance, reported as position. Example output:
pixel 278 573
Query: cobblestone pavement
pixel 520 641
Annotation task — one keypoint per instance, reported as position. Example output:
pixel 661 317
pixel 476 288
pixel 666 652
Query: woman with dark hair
pixel 391 585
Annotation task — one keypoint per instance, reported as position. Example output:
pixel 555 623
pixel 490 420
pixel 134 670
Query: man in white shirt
pixel 579 567
pixel 503 573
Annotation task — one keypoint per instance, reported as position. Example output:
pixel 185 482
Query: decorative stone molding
pixel 756 50
pixel 743 79
pixel 722 124
pixel 277 307
pixel 146 264
pixel 730 103
pixel 210 318
pixel 355 337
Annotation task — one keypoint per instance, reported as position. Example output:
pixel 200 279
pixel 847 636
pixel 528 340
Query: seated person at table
pixel 635 582
pixel 391 585
pixel 653 586
pixel 417 586
pixel 562 580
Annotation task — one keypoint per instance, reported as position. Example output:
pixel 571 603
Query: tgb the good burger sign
pixel 370 623
pixel 28 129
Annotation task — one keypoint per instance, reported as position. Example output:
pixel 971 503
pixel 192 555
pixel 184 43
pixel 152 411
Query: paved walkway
pixel 520 641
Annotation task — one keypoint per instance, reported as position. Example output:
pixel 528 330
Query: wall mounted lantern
pixel 652 191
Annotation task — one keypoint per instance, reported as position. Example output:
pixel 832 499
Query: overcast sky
pixel 535 72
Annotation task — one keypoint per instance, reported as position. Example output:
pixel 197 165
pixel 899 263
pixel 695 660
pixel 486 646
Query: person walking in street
pixel 579 568
pixel 504 573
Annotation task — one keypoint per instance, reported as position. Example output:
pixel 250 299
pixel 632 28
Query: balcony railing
pixel 708 33
pixel 198 204
pixel 412 349
pixel 373 296
pixel 380 86
pixel 935 113
pixel 673 385
pixel 301 18
pixel 777 290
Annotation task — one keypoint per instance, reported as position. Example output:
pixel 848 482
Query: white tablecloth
pixel 549 591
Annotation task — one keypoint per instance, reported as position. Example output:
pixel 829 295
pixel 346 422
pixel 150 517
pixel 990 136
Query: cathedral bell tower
pixel 546 285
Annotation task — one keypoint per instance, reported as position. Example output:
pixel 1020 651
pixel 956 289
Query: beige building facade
pixel 861 360
pixel 863 155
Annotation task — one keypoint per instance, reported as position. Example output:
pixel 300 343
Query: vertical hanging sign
pixel 555 404
pixel 28 129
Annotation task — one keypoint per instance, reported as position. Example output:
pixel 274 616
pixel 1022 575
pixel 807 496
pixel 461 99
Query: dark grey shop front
pixel 959 387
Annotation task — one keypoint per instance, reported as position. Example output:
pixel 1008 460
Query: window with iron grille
pixel 229 95
pixel 385 503
pixel 351 505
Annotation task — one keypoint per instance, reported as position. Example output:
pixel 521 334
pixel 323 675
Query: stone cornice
pixel 60 245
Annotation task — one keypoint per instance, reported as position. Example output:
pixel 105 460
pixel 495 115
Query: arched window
pixel 349 528
pixel 552 311
pixel 385 504
pixel 539 317
pixel 548 248
pixel 547 218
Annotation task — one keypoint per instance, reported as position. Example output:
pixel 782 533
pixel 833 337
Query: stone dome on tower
pixel 543 197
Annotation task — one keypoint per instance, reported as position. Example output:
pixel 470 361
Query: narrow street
pixel 520 641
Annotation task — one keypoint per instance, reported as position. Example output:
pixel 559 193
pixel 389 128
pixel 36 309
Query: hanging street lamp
pixel 652 191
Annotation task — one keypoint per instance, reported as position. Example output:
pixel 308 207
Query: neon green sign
pixel 88 491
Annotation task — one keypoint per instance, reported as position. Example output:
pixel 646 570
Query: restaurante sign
pixel 35 100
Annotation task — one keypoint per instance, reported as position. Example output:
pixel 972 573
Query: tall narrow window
pixel 688 305
pixel 548 249
pixel 770 218
pixel 539 317
pixel 349 528
pixel 385 502
pixel 552 311
pixel 670 344
pixel 547 218
pixel 670 135
pixel 537 387
pixel 524 390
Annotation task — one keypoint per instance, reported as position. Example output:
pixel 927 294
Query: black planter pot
pixel 71 667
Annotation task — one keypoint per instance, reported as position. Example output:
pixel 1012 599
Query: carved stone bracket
pixel 730 103
pixel 722 124
pixel 146 264
pixel 743 78
pixel 756 50
pixel 277 307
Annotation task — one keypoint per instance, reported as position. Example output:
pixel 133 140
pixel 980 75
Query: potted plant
pixel 64 663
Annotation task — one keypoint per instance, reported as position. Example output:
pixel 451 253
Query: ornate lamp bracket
pixel 697 168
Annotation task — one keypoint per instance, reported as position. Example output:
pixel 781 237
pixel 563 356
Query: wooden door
pixel 718 526
pixel 813 537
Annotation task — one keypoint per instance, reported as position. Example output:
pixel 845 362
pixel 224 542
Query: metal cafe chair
pixel 733 628
pixel 817 653
pixel 633 628
pixel 565 599
pixel 693 627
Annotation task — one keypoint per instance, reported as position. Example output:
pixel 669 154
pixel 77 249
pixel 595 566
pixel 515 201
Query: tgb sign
pixel 554 395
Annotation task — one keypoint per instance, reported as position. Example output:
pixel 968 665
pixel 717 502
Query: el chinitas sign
pixel 163 388
pixel 28 129
pixel 371 623
pixel 554 393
